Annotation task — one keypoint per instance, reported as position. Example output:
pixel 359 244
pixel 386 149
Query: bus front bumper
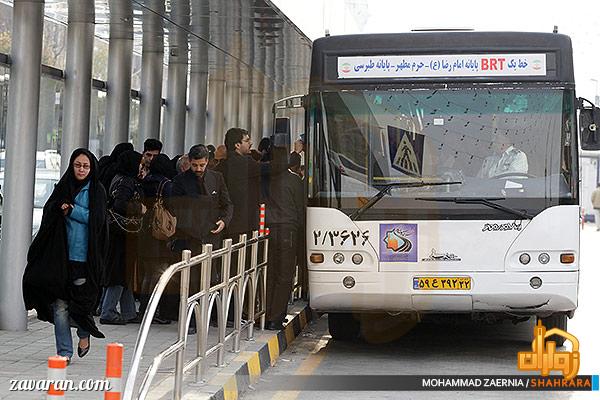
pixel 505 292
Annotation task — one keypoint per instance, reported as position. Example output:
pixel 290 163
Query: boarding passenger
pixel 242 177
pixel 285 219
pixel 152 148
pixel 200 201
pixel 183 164
pixel 153 254
pixel 125 209
pixel 107 166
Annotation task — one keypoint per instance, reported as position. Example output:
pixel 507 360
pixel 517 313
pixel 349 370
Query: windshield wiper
pixel 386 189
pixel 485 201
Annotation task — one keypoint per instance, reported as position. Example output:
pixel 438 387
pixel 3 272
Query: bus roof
pixel 334 56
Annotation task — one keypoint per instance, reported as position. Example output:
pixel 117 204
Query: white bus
pixel 442 176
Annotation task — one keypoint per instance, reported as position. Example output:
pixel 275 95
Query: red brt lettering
pixel 492 64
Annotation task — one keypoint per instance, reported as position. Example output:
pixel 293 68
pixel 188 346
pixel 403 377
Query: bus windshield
pixel 508 143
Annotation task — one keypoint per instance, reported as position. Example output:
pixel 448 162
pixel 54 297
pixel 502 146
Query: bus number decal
pixel 340 236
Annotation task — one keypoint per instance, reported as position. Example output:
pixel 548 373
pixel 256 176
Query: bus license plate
pixel 442 283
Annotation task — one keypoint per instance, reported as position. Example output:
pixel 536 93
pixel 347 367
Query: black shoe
pixel 273 326
pixel 161 321
pixel 191 330
pixel 136 320
pixel 116 321
pixel 82 352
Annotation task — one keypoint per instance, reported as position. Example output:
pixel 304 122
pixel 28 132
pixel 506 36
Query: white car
pixel 45 180
pixel 47 159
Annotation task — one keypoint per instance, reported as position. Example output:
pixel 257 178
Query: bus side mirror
pixel 589 125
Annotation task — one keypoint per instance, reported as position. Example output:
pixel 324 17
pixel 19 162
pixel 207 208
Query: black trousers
pixel 283 242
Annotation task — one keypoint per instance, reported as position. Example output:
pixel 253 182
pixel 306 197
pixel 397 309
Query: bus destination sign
pixel 442 66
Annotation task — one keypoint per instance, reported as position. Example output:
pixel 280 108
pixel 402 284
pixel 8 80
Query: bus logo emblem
pixel 346 68
pixel 398 242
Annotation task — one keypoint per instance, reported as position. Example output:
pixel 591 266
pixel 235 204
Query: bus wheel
pixel 555 321
pixel 343 326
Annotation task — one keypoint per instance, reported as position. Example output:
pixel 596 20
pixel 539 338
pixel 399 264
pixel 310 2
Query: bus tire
pixel 343 326
pixel 555 321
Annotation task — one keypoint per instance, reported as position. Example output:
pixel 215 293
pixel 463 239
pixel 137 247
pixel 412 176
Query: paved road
pixel 440 348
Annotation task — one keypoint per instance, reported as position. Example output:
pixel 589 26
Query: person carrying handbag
pixel 154 254
pixel 125 212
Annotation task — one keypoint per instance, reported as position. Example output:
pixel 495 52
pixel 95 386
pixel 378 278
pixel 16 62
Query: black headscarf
pixel 47 275
pixel 161 165
pixel 120 149
pixel 128 163
pixel 108 164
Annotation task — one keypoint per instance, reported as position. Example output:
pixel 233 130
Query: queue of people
pixel 97 248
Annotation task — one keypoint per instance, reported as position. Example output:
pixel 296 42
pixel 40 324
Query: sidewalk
pixel 24 355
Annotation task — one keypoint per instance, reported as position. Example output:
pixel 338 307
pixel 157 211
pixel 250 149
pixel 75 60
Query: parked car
pixel 47 159
pixel 45 180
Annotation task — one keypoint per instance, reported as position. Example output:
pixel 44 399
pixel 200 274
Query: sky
pixel 579 19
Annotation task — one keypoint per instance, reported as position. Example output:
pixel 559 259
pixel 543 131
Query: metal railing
pixel 251 279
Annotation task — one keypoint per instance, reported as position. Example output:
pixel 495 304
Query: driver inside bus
pixel 508 159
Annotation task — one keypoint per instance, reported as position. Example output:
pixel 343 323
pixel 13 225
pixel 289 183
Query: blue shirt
pixel 77 226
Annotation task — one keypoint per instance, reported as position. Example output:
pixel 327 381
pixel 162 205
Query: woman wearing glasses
pixel 65 263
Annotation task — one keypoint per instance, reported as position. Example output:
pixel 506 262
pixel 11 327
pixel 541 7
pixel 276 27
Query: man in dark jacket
pixel 242 177
pixel 201 203
pixel 285 218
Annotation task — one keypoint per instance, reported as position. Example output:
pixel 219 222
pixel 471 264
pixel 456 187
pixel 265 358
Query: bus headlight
pixel 357 259
pixel 544 258
pixel 338 258
pixel 524 258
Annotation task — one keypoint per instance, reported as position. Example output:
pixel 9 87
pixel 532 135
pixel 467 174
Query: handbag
pixel 129 224
pixel 163 223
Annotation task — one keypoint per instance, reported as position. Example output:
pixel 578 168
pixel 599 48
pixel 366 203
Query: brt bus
pixel 442 176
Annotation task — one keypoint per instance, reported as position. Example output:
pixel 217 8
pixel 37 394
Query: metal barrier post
pixel 239 304
pixel 264 286
pixel 225 272
pixel 252 301
pixel 205 287
pixel 254 267
pixel 184 289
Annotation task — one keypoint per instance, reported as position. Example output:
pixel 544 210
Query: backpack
pixel 163 223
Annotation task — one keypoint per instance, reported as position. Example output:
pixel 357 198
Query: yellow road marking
pixel 230 391
pixel 273 344
pixel 254 368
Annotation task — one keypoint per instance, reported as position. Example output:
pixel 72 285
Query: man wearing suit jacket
pixel 242 177
pixel 201 202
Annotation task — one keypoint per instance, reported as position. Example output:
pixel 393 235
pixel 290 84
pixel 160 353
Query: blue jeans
pixel 62 329
pixel 112 296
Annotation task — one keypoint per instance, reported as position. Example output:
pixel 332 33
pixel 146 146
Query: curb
pixel 248 366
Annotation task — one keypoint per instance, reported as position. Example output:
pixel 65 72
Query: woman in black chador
pixel 65 263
